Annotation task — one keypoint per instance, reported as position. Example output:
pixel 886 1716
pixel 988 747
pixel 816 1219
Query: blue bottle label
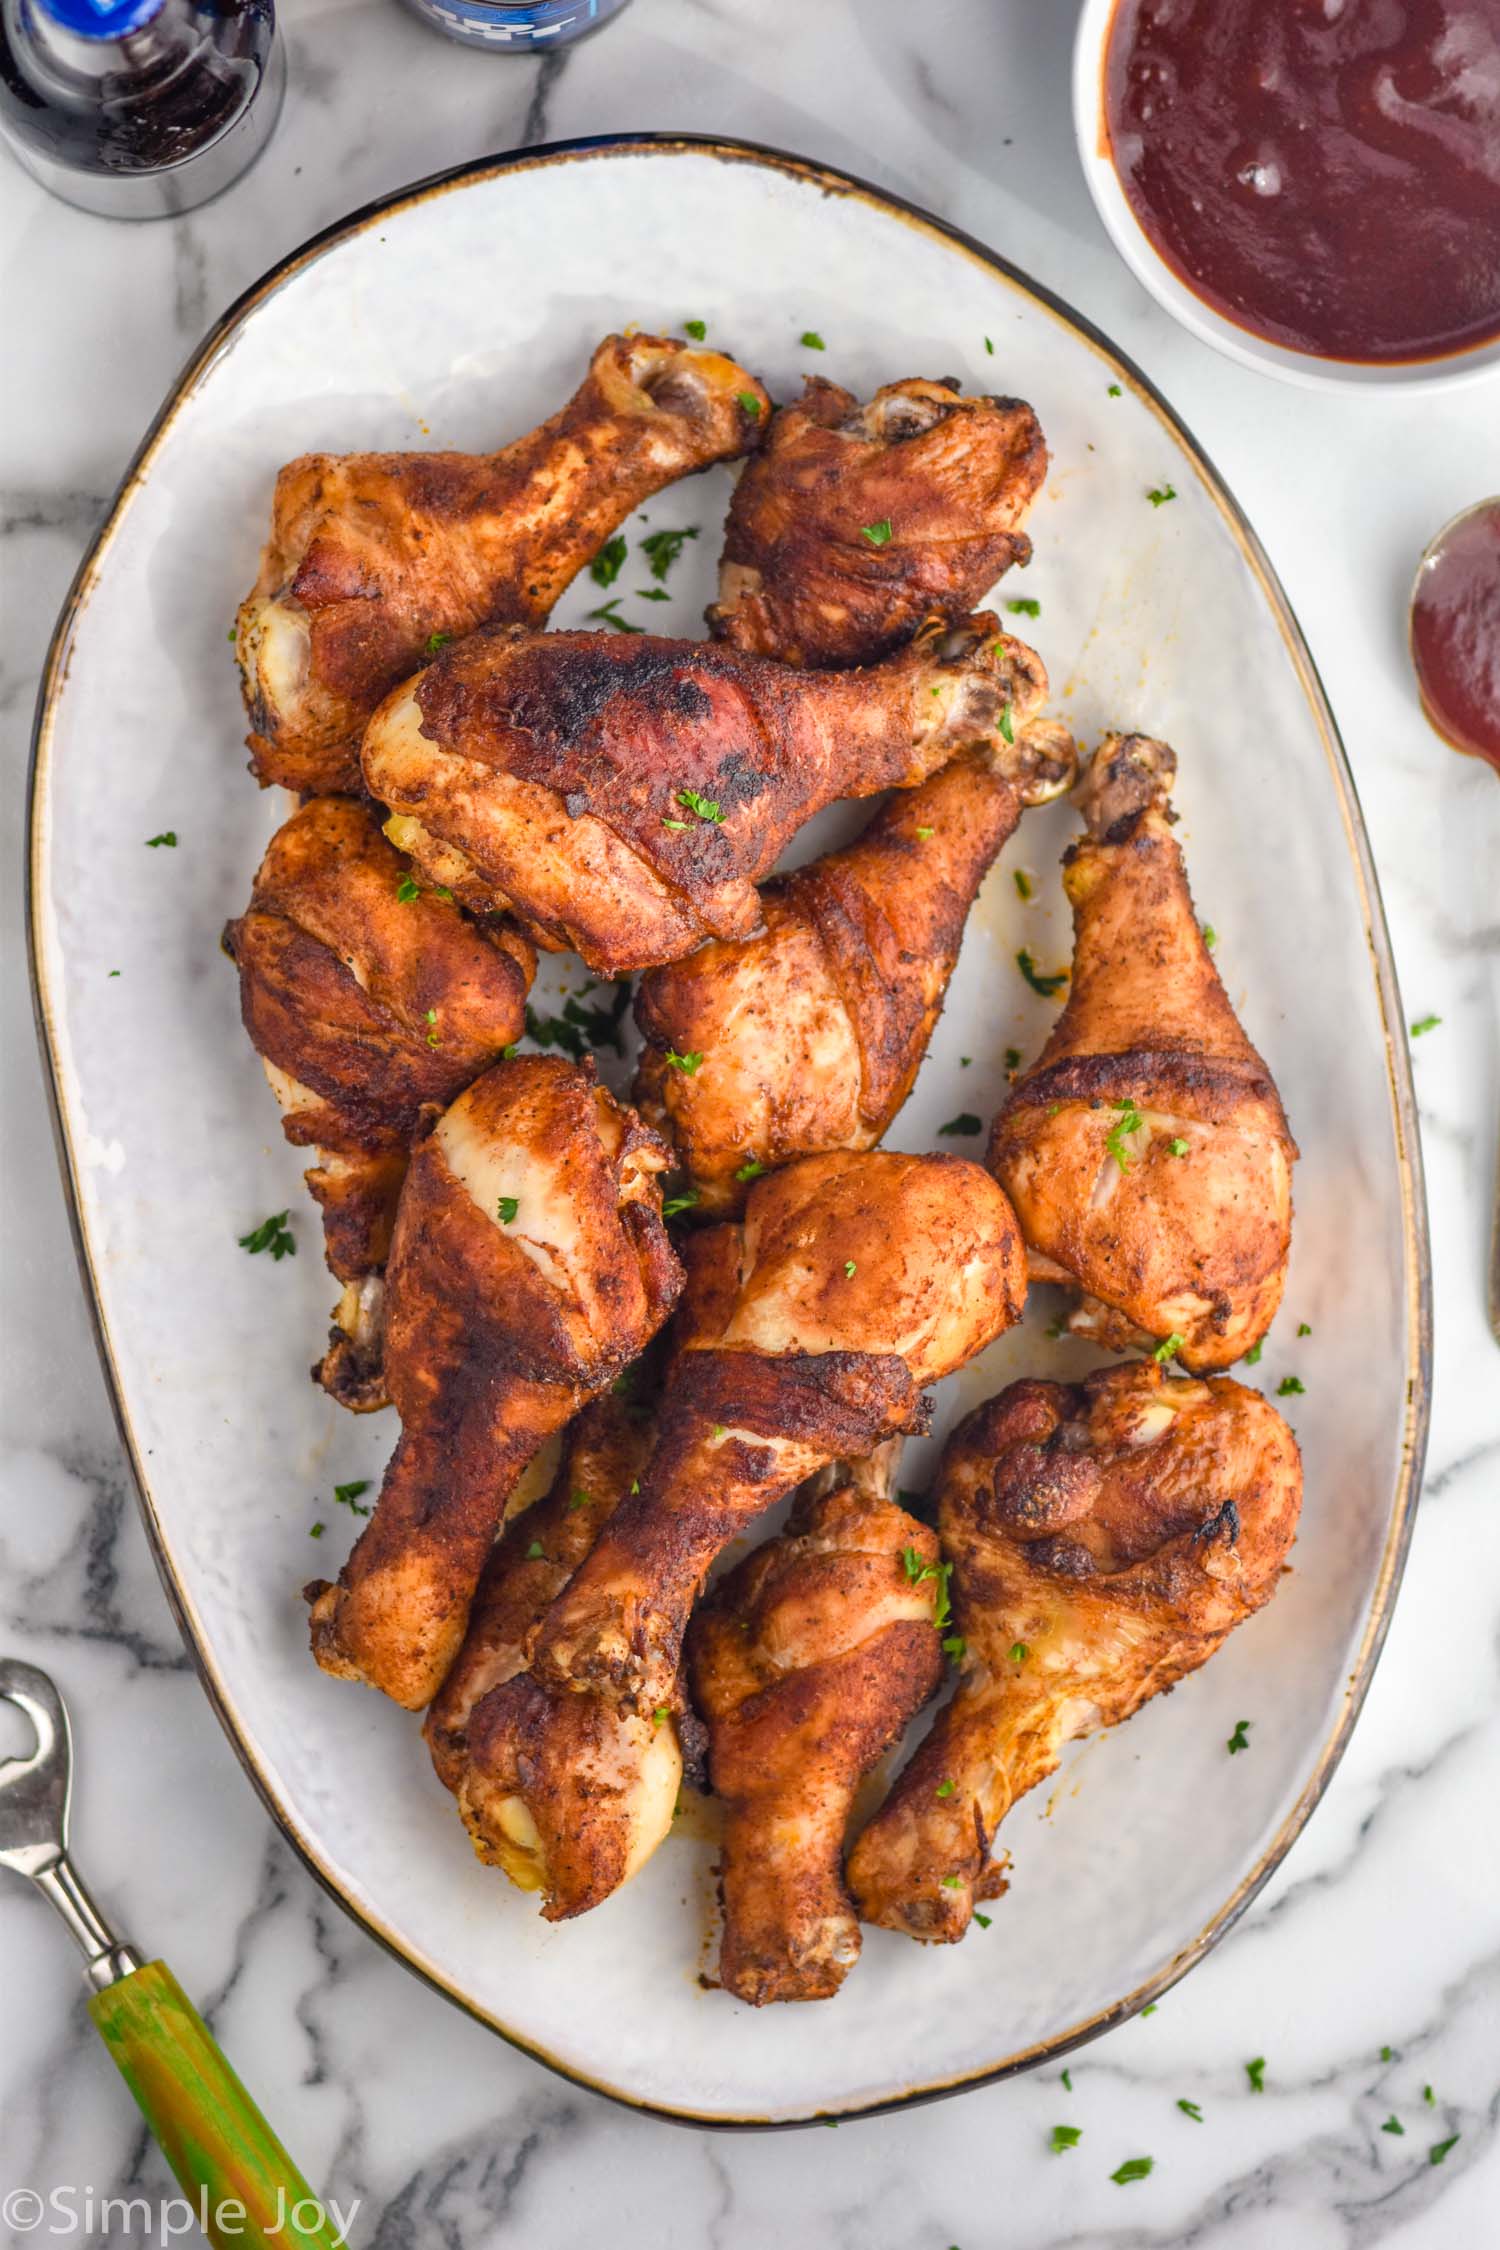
pixel 542 21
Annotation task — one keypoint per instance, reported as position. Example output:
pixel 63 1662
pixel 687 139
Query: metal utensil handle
pixel 242 2184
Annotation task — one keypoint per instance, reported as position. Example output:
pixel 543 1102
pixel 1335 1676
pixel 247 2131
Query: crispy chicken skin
pixel 807 1336
pixel 806 1662
pixel 1146 1150
pixel 603 1455
pixel 370 1011
pixel 950 478
pixel 564 1793
pixel 372 554
pixel 813 1030
pixel 1105 1538
pixel 625 795
pixel 529 1268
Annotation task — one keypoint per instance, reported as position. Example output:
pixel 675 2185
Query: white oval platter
pixel 458 314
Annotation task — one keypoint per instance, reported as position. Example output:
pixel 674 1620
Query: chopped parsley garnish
pixel 1133 2168
pixel 751 1169
pixel 1387 2054
pixel 1240 1739
pixel 1117 1136
pixel 1210 936
pixel 1429 2097
pixel 1256 2073
pixel 507 1207
pixel 609 614
pixel 1019 1652
pixel 717 1431
pixel 751 404
pixel 984 1922
pixel 1065 2136
pixel 435 641
pixel 1191 2109
pixel 662 549
pixel 668 822
pixel 850 1269
pixel 917 1572
pixel 1024 885
pixel 1007 724
pixel 579 1026
pixel 689 1064
pixel 813 340
pixel 432 1035
pixel 924 833
pixel 1160 494
pixel 965 1122
pixel 660 1715
pixel 347 1495
pixel 1289 1386
pixel 682 1202
pixel 955 1646
pixel 1177 1147
pixel 952 1882
pixel 315 1530
pixel 706 808
pixel 1168 1348
pixel 272 1234
pixel 1393 2125
pixel 577 1500
pixel 1252 1357
pixel 168 837
pixel 697 329
pixel 1151 2008
pixel 878 534
pixel 407 890
pixel 1045 985
pixel 610 561
pixel 1303 1328
pixel 945 1788
pixel 1114 390
pixel 1423 1023
pixel 535 1552
pixel 1025 607
pixel 652 594
pixel 1436 2154
pixel 1012 1058
pixel 989 347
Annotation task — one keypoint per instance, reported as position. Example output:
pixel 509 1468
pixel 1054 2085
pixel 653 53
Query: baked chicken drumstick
pixel 373 556
pixel 1105 1538
pixel 1146 1150
pixel 807 1661
pixel 855 523
pixel 529 1267
pixel 625 796
pixel 808 1333
pixel 601 1783
pixel 812 1031
pixel 372 1003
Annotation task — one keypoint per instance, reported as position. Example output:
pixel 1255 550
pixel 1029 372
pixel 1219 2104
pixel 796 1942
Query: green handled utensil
pixel 243 2187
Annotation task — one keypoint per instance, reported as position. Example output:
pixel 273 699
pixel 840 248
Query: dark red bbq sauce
pixel 1455 633
pixel 1323 172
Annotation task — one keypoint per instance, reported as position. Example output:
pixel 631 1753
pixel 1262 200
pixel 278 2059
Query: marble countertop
pixel 1369 1969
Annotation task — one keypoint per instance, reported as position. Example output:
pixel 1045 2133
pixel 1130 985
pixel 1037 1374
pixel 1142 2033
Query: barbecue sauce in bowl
pixel 1325 173
pixel 1455 632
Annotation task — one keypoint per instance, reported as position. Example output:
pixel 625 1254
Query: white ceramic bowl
pixel 1152 271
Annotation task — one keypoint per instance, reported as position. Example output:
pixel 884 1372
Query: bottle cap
pixel 99 19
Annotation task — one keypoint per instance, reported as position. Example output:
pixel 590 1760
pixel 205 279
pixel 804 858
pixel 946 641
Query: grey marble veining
pixel 1383 1928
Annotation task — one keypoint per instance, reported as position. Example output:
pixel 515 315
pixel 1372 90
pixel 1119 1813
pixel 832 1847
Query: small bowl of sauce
pixel 1312 186
pixel 1455 632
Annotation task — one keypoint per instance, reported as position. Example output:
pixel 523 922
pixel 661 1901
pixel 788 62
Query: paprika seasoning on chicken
pixel 1325 173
